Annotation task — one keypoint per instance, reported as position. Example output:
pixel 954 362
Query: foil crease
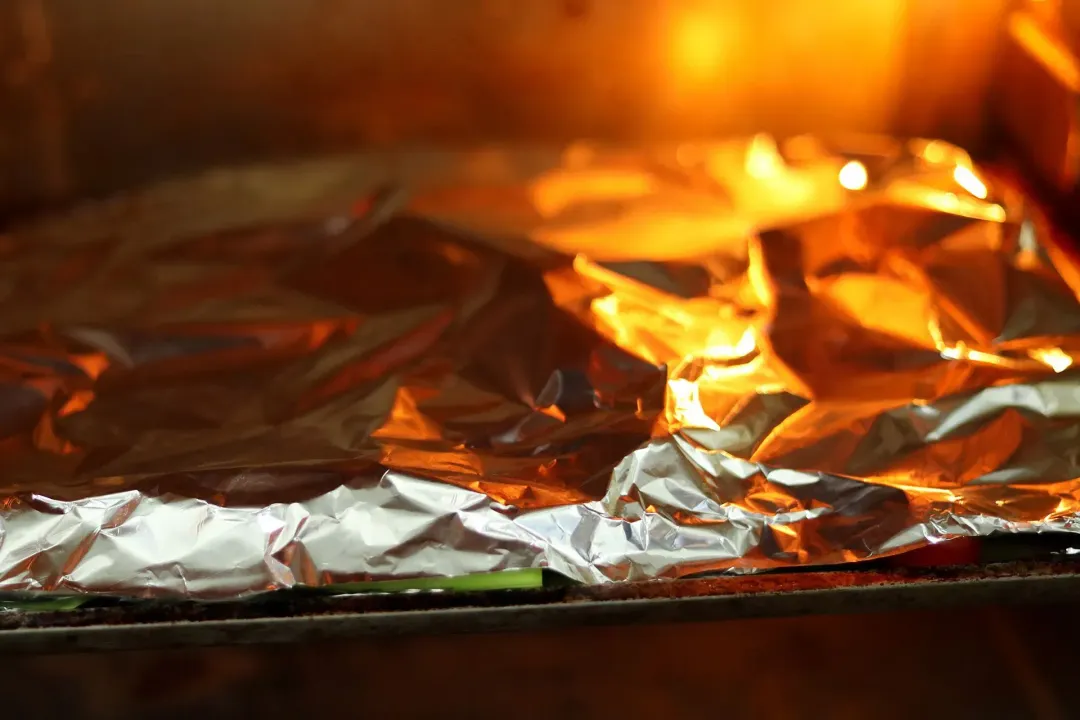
pixel 618 364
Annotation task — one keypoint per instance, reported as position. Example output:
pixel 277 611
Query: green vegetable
pixel 505 580
pixel 42 604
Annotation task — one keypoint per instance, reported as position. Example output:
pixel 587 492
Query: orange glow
pixel 765 310
pixel 948 202
pixel 556 192
pixel 1055 358
pixel 934 152
pixel 77 402
pixel 92 364
pixel 1050 51
pixel 968 180
pixel 853 175
pixel 763 159
pixel 700 47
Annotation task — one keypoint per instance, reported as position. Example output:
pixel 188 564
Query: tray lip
pixel 654 602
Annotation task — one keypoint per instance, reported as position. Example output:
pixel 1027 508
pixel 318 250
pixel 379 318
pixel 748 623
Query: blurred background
pixel 98 97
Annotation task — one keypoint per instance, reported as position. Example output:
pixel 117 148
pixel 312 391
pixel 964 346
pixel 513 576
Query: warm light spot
pixel 92 364
pixel 935 152
pixel 1054 358
pixel 698 47
pixel 853 175
pixel 743 347
pixel 320 332
pixel 763 159
pixel 553 411
pixel 557 190
pixel 77 402
pixel 1051 52
pixel 961 351
pixel 968 180
pixel 684 408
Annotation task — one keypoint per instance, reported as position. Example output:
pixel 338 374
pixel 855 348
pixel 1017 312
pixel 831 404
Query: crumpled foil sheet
pixel 617 364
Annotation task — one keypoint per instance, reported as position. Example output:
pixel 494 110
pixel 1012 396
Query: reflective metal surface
pixel 617 364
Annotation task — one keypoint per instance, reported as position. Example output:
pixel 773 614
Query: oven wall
pixel 99 96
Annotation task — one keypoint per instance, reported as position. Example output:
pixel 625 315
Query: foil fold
pixel 617 364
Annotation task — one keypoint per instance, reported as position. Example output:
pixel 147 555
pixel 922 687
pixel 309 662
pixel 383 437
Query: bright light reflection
pixel 699 46
pixel 968 180
pixel 1055 358
pixel 763 160
pixel 853 175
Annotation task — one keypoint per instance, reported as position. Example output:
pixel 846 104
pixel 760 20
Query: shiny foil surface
pixel 618 364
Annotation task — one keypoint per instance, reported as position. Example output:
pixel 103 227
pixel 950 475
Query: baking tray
pixel 1023 570
pixel 301 617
